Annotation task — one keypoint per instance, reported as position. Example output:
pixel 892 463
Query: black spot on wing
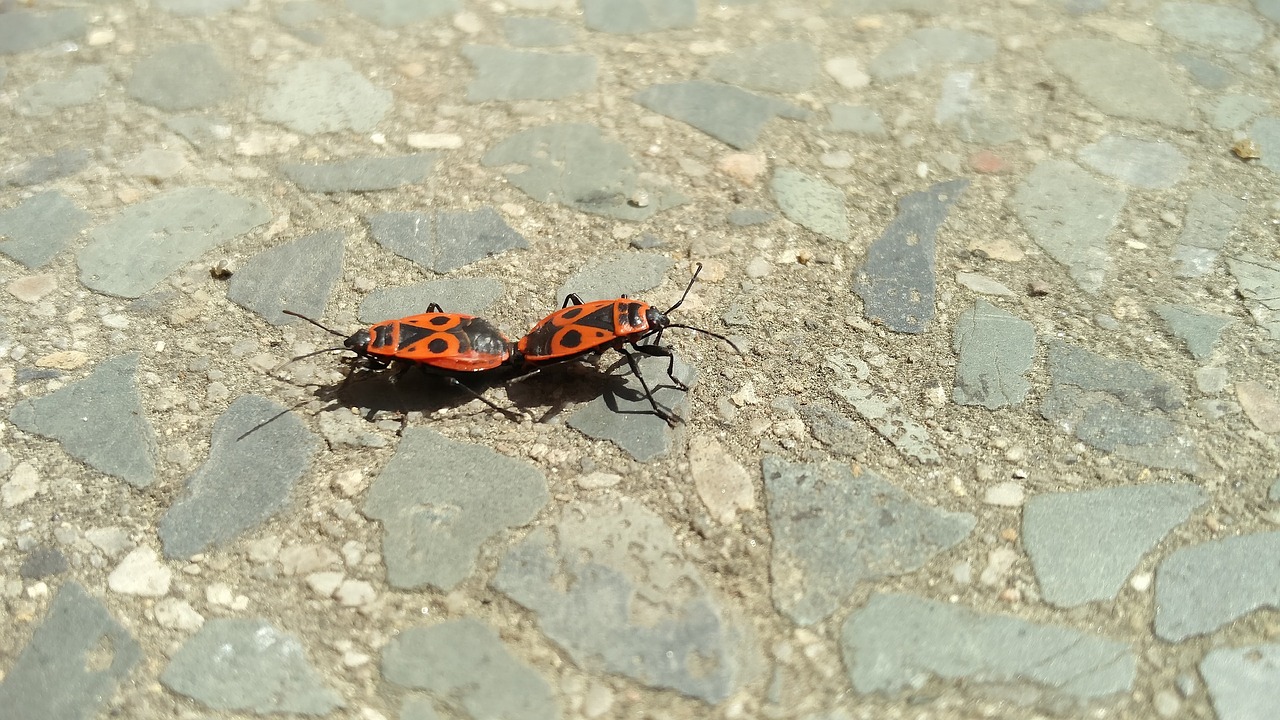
pixel 411 334
pixel 571 339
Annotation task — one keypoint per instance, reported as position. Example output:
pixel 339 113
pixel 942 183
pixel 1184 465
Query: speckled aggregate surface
pixel 1001 440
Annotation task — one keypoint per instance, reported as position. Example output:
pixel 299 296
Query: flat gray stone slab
pixel 365 174
pixel 64 672
pixel 1123 80
pixel 199 8
pixel 1117 406
pixel 523 31
pixel 926 49
pixel 574 165
pixel 37 170
pixel 1229 112
pixel 182 77
pixel 244 665
pixel 1200 330
pixel 622 414
pixel 40 227
pixel 504 74
pixel 858 119
pixel 43 561
pixel 298 275
pixel 463 662
pixel 727 113
pixel 974 115
pixel 81 86
pixel 1069 214
pixel 1083 545
pixel 445 240
pixel 898 281
pixel 438 500
pixel 23 30
pixel 399 13
pixel 895 639
pixel 258 452
pixel 1212 218
pixel 788 66
pixel 1269 9
pixel 1203 587
pixel 1205 71
pixel 636 607
pixel 129 254
pixel 323 96
pixel 1266 132
pixel 1258 281
pixel 469 296
pixel 117 440
pixel 1217 26
pixel 1136 162
pixel 811 202
pixel 1243 682
pixel 833 530
pixel 995 349
pixel 617 274
pixel 632 17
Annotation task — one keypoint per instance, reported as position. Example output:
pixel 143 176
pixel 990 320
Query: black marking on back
pixel 440 320
pixel 633 314
pixel 601 319
pixel 383 335
pixel 410 334
pixel 571 339
pixel 481 336
pixel 438 345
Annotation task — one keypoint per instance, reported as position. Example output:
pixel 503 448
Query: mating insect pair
pixel 455 346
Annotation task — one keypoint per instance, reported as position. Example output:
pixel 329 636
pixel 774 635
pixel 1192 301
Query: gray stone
pixel 1274 493
pixel 745 217
pixel 1123 80
pixel 418 707
pixel 469 296
pixel 323 96
pixel 298 275
pixel 182 77
pixel 462 662
pixel 129 254
pixel 928 48
pixel 616 274
pixel 75 661
pixel 726 113
pixel 838 433
pixel 885 413
pixel 81 86
pixel 833 530
pixel 40 227
pixel 632 17
pixel 1212 217
pixel 1083 545
pixel 1217 26
pixel 301 16
pixel 1200 330
pixel 398 13
pixel 1243 682
pixel 897 641
pixel 1258 282
pixel 248 665
pixel 43 561
pixel 199 8
pixel 572 164
pixel 975 117
pixel 258 452
pixel 811 202
pixel 1229 112
pixel 623 415
pixel 1205 586
pixel 1140 163
pixel 43 169
pixel 1265 131
pixel 1205 71
pixel 1269 9
pixel 445 240
pixel 995 349
pixel 636 606
pixel 23 30
pixel 1082 7
pixel 438 500
pixel 118 441
pixel 538 31
pixel 201 131
pixel 787 66
pixel 859 119
pixel 1069 214
pixel 365 174
pixel 503 74
pixel 984 285
pixel 1117 406
pixel 898 281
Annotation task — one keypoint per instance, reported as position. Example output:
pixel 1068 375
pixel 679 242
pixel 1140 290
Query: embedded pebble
pixel 22 485
pixel 177 614
pixel 141 572
pixel 1005 494
pixel 32 288
pixel 720 481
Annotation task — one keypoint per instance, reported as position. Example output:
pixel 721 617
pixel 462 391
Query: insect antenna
pixel 316 323
pixel 304 356
pixel 717 336
pixel 697 269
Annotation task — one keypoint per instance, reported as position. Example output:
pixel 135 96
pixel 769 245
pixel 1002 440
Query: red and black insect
pixel 582 328
pixel 449 345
